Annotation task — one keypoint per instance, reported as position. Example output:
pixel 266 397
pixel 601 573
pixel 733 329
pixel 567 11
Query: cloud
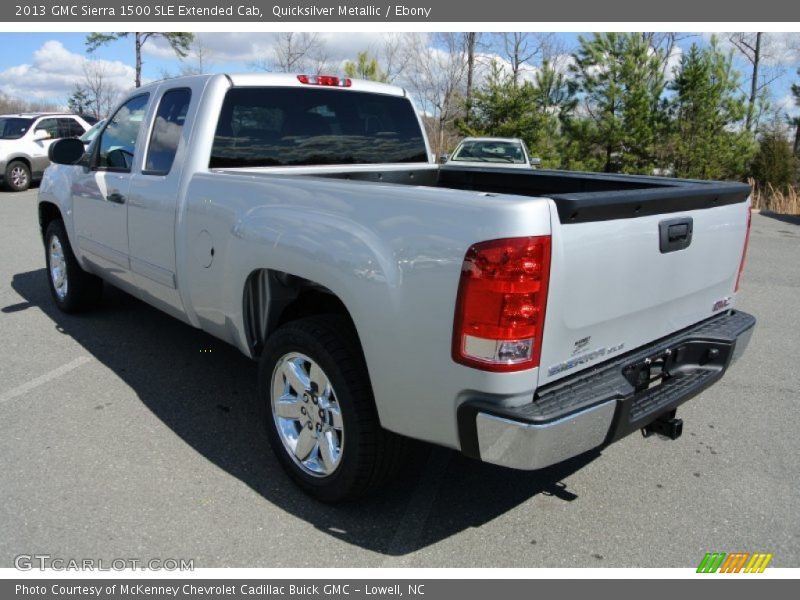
pixel 245 48
pixel 54 71
pixel 779 49
pixel 788 104
pixel 673 62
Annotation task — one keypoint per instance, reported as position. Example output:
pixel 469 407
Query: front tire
pixel 17 176
pixel 319 412
pixel 72 288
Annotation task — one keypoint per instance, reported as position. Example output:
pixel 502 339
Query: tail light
pixel 501 303
pixel 328 80
pixel 744 250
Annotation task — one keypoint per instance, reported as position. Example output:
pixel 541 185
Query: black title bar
pixel 434 11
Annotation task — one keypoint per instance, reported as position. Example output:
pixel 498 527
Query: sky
pixel 46 66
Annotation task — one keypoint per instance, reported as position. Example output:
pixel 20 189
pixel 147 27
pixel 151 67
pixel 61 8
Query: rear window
pixel 13 128
pixel 267 127
pixel 167 131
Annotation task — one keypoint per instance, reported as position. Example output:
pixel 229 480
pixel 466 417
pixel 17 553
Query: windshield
pixel 264 127
pixel 92 133
pixel 13 128
pixel 490 151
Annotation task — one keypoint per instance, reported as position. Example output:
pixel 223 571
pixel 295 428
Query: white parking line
pixel 42 379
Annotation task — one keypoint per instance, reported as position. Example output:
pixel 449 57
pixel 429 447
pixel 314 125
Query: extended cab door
pixel 154 193
pixel 100 193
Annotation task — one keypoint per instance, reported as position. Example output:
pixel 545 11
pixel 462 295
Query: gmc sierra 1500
pixel 522 317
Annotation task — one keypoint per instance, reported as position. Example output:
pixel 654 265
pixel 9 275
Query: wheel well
pixel 48 212
pixel 272 298
pixel 21 159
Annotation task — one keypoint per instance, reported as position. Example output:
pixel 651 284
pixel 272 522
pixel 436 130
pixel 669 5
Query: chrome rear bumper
pixel 594 409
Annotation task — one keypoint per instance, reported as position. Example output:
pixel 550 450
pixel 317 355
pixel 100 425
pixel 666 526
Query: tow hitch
pixel 666 426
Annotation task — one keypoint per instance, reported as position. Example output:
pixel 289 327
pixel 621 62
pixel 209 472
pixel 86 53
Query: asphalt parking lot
pixel 127 434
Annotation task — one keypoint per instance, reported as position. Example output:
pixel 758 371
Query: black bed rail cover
pixel 587 197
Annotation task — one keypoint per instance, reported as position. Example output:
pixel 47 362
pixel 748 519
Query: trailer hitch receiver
pixel 666 426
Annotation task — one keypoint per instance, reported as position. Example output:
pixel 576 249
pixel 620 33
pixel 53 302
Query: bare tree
pixel 470 42
pixel 437 68
pixel 297 52
pixel 759 50
pixel 198 60
pixel 101 93
pixel 393 56
pixel 10 104
pixel 521 49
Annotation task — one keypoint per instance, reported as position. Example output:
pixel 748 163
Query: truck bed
pixel 579 197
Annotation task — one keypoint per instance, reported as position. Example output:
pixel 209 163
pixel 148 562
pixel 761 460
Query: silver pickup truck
pixel 522 317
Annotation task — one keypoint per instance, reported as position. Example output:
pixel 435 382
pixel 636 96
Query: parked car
pixel 483 151
pixel 24 140
pixel 522 317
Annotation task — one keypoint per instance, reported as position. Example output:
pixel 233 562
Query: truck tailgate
pixel 616 284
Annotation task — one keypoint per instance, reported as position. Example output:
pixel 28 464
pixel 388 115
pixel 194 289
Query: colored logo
pixel 736 562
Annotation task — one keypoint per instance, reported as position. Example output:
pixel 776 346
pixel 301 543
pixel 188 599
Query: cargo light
pixel 328 80
pixel 744 250
pixel 502 296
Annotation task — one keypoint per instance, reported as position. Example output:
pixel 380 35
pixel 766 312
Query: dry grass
pixel 777 201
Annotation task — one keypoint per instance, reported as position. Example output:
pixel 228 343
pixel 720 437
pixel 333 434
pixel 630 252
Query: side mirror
pixel 40 135
pixel 536 162
pixel 68 151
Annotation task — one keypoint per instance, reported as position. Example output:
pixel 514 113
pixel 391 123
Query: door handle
pixel 675 234
pixel 116 198
pixel 678 232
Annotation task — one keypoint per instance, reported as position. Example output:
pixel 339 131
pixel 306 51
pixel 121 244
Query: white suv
pixel 24 140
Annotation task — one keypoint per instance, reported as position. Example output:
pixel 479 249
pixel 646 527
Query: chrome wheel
pixel 58 268
pixel 307 414
pixel 18 176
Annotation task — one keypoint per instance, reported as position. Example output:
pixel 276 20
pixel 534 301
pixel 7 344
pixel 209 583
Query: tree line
pixel 648 103
pixel 629 103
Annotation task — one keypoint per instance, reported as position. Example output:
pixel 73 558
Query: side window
pixel 50 126
pixel 118 140
pixel 167 131
pixel 69 128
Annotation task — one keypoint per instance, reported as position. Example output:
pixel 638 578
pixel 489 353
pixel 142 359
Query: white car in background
pixel 494 151
pixel 24 140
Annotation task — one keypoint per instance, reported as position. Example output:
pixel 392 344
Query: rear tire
pixel 72 288
pixel 17 176
pixel 317 405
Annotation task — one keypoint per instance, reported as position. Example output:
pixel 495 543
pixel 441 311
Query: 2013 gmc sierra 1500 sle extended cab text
pixel 522 317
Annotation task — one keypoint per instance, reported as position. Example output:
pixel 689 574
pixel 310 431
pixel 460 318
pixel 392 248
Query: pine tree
pixel 620 76
pixel 365 68
pixel 709 139
pixel 533 111
pixel 774 163
pixel 554 100
pixel 79 102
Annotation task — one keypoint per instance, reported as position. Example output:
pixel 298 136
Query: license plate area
pixel 651 372
pixel 691 355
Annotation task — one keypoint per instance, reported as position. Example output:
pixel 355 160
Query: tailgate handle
pixel 675 234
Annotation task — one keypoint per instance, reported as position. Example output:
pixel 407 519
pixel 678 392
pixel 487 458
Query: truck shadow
pixel 205 391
